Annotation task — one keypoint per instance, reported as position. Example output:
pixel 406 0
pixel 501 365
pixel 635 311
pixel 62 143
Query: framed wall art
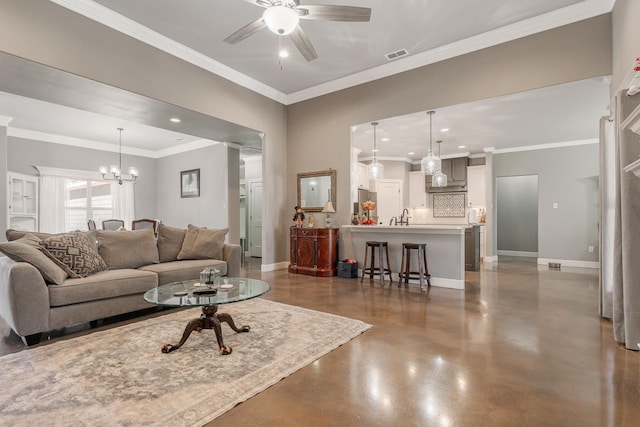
pixel 190 183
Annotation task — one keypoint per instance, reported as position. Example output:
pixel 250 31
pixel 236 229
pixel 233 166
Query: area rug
pixel 120 377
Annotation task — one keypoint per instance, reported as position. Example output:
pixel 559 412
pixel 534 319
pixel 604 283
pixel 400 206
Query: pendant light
pixel 430 164
pixel 439 179
pixel 115 172
pixel 375 169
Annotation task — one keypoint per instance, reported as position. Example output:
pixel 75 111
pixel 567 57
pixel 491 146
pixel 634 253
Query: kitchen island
pixel 445 248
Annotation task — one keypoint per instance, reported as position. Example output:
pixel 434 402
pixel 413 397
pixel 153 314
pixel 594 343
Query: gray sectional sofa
pixel 49 282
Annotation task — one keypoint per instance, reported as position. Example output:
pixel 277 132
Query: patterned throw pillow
pixel 74 253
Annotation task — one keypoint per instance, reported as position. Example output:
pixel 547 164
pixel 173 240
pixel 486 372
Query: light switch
pixel 555 205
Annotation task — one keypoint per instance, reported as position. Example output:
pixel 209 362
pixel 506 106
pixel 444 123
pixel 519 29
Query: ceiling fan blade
pixel 261 3
pixel 302 42
pixel 334 13
pixel 246 31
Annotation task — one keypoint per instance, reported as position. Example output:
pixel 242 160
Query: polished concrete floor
pixel 521 346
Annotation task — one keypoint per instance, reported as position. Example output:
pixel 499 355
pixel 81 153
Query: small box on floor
pixel 347 270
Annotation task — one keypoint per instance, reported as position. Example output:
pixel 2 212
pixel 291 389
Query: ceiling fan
pixel 282 17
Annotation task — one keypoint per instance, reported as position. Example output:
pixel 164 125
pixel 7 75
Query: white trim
pixel 547 21
pixel 435 281
pixel 68 173
pixel 490 259
pixel 5 120
pixel 570 262
pixel 519 253
pixel 95 145
pixel 546 146
pixel 273 267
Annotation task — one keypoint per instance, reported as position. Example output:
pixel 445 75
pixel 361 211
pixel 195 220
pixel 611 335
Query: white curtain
pixel 53 197
pixel 123 202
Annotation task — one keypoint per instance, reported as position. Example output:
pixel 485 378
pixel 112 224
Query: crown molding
pixel 546 146
pixel 120 23
pixel 95 145
pixel 564 16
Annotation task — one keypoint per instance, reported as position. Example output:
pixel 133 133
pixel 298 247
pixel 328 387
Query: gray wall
pixel 517 213
pixel 89 49
pixel 4 187
pixel 210 209
pixel 319 129
pixel 22 154
pixel 567 176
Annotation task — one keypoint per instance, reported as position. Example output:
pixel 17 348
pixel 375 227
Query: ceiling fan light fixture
pixel 281 20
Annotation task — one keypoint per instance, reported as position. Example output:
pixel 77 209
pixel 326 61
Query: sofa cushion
pixel 75 253
pixel 102 285
pixel 127 249
pixel 26 249
pixel 19 234
pixel 169 242
pixel 202 243
pixel 177 271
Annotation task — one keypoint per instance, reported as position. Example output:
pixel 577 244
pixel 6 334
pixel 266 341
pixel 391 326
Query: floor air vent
pixel 397 54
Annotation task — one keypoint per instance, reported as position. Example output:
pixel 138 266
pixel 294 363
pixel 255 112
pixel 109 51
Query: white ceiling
pixel 349 54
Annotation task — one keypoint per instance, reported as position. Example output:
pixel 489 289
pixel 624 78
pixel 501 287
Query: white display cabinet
pixel 22 203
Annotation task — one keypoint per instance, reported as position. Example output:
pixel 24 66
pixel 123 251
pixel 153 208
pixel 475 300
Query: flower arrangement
pixel 637 67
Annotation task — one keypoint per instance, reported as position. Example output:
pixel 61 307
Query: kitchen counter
pixel 445 248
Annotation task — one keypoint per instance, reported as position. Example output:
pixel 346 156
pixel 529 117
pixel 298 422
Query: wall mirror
pixel 315 189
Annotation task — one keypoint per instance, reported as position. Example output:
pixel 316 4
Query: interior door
pixel 255 218
pixel 389 199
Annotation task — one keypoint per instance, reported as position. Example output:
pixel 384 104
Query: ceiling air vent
pixel 397 54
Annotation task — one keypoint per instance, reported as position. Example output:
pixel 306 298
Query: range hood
pixel 456 171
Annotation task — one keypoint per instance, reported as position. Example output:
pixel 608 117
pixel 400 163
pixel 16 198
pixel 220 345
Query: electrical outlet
pixel 591 248
pixel 555 205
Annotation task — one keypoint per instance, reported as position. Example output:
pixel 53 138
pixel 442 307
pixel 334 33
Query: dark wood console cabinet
pixel 313 251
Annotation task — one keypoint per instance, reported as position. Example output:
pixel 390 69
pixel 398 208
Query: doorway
pixel 517 215
pixel 389 199
pixel 255 217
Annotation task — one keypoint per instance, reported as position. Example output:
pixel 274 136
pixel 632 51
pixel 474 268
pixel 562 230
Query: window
pixel 87 199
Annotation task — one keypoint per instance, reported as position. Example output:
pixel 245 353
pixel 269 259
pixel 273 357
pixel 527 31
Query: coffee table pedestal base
pixel 209 319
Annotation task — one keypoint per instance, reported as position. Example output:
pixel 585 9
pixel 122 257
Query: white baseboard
pixel 519 253
pixel 435 281
pixel 490 259
pixel 274 267
pixel 570 263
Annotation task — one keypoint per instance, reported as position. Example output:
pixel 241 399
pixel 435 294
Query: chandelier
pixel 115 172
pixel 430 164
pixel 375 169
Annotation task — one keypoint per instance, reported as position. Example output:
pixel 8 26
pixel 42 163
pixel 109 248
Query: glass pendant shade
pixel 281 20
pixel 430 164
pixel 375 170
pixel 439 179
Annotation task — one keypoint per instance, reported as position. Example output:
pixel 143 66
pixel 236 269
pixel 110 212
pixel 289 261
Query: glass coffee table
pixel 191 293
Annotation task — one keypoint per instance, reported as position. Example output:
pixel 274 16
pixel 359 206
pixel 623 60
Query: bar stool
pixel 405 268
pixel 372 269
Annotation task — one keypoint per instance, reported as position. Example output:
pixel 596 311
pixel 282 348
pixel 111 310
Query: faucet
pixel 393 218
pixel 404 219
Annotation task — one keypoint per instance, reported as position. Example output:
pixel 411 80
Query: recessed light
pixel 384 139
pixel 411 153
pixel 375 151
pixel 462 146
pixel 444 130
pixel 178 139
pixel 175 120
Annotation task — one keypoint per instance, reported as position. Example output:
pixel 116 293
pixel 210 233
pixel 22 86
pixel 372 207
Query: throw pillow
pixel 170 241
pixel 75 253
pixel 19 234
pixel 127 249
pixel 202 243
pixel 26 249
